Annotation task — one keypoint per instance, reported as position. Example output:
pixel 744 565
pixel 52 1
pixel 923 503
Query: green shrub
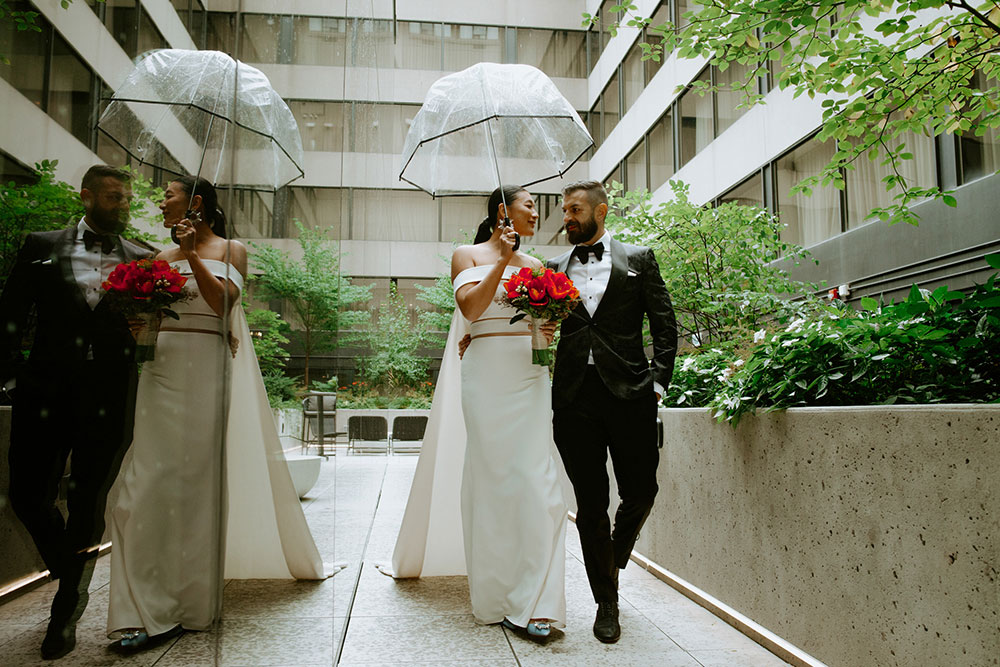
pixel 359 395
pixel 938 347
pixel 699 377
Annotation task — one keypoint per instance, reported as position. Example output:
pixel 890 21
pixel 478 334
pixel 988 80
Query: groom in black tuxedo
pixel 75 393
pixel 604 390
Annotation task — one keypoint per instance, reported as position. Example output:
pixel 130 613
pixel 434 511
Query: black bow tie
pixel 107 242
pixel 582 252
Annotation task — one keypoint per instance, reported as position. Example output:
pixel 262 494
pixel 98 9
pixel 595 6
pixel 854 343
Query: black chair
pixel 408 434
pixel 368 435
pixel 319 423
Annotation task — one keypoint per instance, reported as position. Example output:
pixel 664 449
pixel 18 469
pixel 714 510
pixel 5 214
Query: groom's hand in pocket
pixel 463 345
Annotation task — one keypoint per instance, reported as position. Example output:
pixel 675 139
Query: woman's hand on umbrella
pixel 508 237
pixel 185 236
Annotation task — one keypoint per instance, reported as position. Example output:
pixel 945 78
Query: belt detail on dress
pixel 186 330
pixel 502 333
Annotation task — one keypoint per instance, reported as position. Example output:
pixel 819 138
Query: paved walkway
pixel 354 512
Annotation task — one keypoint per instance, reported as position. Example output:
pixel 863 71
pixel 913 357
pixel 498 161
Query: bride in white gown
pixel 513 515
pixel 173 505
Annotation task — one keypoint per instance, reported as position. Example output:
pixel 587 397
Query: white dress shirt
pixel 592 281
pixel 92 267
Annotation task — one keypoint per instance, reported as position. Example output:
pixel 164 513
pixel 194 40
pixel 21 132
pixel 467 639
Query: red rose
pixel 537 292
pixel 526 273
pixel 561 287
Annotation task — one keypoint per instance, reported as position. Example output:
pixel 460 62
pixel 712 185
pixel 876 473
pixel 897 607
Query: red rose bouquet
pixel 144 290
pixel 541 294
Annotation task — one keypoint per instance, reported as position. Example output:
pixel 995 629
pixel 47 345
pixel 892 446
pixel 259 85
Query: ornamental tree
pixel 883 67
pixel 717 262
pixel 394 363
pixel 313 289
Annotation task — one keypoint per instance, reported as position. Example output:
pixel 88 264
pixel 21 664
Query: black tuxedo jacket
pixel 614 333
pixel 42 284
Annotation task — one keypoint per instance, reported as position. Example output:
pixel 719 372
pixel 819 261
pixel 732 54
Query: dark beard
pixel 585 232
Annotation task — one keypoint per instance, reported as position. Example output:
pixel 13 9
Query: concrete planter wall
pixel 864 536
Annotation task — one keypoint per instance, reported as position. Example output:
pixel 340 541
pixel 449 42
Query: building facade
pixel 354 75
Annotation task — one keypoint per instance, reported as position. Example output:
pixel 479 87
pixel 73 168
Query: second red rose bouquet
pixel 541 294
pixel 145 289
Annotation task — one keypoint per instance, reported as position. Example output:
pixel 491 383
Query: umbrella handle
pixel 517 237
pixel 194 216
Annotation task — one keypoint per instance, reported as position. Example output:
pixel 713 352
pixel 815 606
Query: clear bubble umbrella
pixel 204 113
pixel 491 124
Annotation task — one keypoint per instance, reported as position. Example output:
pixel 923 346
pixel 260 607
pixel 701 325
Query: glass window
pixel 382 128
pixel 418 45
pixel 12 170
pixel 808 219
pixel 696 121
pixel 593 48
pixel 220 34
pixel 466 45
pixel 633 80
pixel 681 7
pixel 635 168
pixel 731 94
pixel 183 9
pixel 322 125
pixel 250 213
pixel 661 151
pixel 319 41
pixel 659 17
pixel 612 106
pixel 259 38
pixel 748 193
pixel 71 102
pixel 979 155
pixel 318 208
pixel 558 53
pixel 460 218
pixel 198 19
pixel 394 215
pixel 865 187
pixel 149 37
pixel 95 6
pixel 593 121
pixel 373 43
pixel 121 17
pixel 607 20
pixel 26 50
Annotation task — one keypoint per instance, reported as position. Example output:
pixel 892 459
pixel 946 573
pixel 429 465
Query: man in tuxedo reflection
pixel 75 393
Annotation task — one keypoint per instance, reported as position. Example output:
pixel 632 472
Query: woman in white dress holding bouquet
pixel 180 518
pixel 513 511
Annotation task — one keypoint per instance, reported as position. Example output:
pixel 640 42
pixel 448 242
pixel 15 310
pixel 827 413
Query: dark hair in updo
pixel 509 192
pixel 211 211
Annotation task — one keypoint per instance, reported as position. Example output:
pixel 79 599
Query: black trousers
pixel 86 416
pixel 595 424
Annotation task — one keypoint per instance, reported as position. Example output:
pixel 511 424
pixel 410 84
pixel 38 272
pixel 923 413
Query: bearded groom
pixel 605 392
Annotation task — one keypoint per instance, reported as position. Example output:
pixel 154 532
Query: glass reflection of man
pixel 75 393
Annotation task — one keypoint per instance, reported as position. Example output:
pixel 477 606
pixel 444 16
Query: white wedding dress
pixel 513 515
pixel 166 528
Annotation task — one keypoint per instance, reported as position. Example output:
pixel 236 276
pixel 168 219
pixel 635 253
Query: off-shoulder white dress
pixel 177 516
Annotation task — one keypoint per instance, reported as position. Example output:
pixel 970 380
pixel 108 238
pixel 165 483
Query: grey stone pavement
pixel 362 617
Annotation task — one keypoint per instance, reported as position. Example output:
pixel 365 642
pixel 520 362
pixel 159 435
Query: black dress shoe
pixel 60 639
pixel 606 627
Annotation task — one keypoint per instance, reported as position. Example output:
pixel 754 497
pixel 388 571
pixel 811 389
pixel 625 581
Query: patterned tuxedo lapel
pixel 619 269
